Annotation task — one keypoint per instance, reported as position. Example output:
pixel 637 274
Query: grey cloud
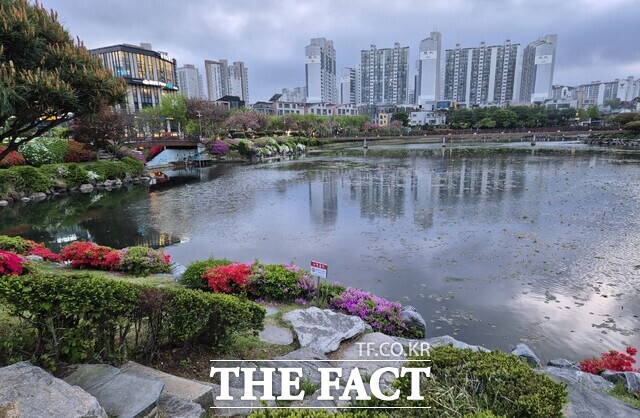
pixel 595 38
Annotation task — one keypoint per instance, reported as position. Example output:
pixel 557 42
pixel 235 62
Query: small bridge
pixel 164 142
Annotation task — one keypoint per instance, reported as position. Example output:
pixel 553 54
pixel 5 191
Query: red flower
pixel 11 264
pixel 89 255
pixel 233 278
pixel 44 252
pixel 613 360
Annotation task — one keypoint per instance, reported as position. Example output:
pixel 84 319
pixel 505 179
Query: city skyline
pixel 270 37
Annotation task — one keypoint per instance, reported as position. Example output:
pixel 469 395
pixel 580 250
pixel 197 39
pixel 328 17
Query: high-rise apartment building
pixel 216 73
pixel 537 69
pixel 239 81
pixel 347 86
pixel 149 74
pixel 384 75
pixel 598 93
pixel 224 79
pixel 427 86
pixel 190 81
pixel 482 75
pixel 320 70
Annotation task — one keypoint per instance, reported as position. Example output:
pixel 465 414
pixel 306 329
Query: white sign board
pixel 543 59
pixel 319 269
pixel 312 59
pixel 428 55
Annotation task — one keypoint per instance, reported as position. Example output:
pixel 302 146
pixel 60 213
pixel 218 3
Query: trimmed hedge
pixel 82 317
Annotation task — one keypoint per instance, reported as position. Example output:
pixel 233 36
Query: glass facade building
pixel 149 74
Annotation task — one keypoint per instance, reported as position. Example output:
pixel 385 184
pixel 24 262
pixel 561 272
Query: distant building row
pixel 596 93
pixel 150 73
pixel 484 75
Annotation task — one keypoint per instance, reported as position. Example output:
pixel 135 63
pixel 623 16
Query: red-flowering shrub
pixel 77 153
pixel 233 278
pixel 44 252
pixel 24 246
pixel 11 264
pixel 14 158
pixel 613 360
pixel 89 255
pixel 154 151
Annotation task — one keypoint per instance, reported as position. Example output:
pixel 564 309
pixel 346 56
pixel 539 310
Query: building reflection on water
pixel 417 189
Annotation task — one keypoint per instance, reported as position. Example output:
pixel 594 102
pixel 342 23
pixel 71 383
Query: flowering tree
pixel 243 121
pixel 105 129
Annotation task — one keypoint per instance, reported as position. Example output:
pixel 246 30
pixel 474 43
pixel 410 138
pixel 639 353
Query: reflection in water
pixel 491 248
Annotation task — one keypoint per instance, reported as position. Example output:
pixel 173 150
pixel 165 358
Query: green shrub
pixel 108 170
pixel 133 166
pixel 76 175
pixel 28 179
pixel 41 151
pixel 5 182
pixel 467 383
pixel 15 244
pixel 143 261
pixel 83 317
pixel 275 282
pixel 192 277
pixel 329 291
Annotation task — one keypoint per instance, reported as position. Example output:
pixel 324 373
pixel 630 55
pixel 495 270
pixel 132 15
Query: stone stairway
pixel 137 391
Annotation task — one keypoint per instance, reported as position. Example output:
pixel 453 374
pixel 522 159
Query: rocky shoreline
pixel 90 187
pixel 326 338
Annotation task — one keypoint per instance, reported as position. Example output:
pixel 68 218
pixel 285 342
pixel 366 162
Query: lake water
pixel 493 246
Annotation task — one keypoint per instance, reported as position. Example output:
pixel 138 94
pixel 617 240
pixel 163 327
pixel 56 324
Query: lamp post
pixel 200 122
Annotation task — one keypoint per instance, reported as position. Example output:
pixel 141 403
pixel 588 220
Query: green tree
pixel 401 117
pixel 633 126
pixel 173 108
pixel 505 118
pixel 594 112
pixel 622 119
pixel 486 123
pixel 45 77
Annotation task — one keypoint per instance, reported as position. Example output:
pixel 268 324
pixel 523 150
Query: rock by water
pixel 325 329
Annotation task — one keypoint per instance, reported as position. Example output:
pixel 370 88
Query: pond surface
pixel 492 246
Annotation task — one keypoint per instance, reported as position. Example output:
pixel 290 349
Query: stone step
pixel 185 389
pixel 120 393
pixel 273 334
pixel 170 406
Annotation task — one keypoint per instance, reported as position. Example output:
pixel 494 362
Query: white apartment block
pixel 538 64
pixel 384 75
pixel 427 86
pixel 320 71
pixel 190 81
pixel 597 93
pixel 347 88
pixel 224 79
pixel 486 75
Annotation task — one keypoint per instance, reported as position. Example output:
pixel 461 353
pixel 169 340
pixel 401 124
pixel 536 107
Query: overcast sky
pixel 597 39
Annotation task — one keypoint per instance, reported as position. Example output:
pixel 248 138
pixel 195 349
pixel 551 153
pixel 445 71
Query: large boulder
pixel 27 391
pixel 413 319
pixel 631 380
pixel 587 398
pixel 325 329
pixel 525 353
pixel 563 363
